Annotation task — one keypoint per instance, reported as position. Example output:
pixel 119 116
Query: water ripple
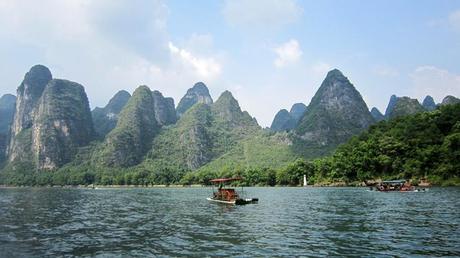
pixel 315 222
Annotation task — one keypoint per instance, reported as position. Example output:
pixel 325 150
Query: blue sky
pixel 268 53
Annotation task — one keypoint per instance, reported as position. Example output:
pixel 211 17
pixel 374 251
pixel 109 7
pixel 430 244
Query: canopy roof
pixel 223 180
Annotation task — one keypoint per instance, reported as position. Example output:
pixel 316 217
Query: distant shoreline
pixel 161 186
pixel 182 186
pixel 106 186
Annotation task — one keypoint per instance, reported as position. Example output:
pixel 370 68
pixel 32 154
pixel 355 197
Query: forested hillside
pixel 50 137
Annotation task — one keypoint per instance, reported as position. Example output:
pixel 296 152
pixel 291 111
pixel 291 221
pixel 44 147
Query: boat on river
pixel 228 195
pixel 397 186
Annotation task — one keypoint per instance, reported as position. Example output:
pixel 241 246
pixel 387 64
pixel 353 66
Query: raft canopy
pixel 223 180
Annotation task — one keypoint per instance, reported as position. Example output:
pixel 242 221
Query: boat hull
pixel 235 202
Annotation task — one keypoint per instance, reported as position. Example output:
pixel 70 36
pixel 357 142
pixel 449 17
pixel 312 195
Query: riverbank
pixel 108 186
pixel 415 182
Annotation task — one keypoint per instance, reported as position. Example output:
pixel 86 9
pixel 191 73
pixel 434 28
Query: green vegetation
pixel 204 133
pixel 148 146
pixel 185 145
pixel 405 106
pixel 424 145
pixel 126 145
pixel 62 123
pixel 263 149
pixel 336 112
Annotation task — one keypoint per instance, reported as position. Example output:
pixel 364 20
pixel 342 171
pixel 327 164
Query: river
pixel 320 222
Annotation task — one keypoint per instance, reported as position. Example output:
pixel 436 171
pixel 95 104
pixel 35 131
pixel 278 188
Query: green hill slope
pixel 203 133
pixel 415 146
pixel 128 142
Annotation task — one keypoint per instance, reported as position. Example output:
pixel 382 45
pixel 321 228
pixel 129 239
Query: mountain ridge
pixel 52 129
pixel 51 121
pixel 336 112
pixel 199 93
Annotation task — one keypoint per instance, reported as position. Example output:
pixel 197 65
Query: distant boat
pixel 397 186
pixel 227 195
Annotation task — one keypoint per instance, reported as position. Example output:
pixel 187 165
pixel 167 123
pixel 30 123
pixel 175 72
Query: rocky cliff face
pixel 391 105
pixel 106 118
pixel 52 120
pixel 165 112
pixel 449 100
pixel 28 94
pixel 7 107
pixel 428 103
pixel 61 124
pixel 377 115
pixel 127 144
pixel 405 106
pixel 336 112
pixel 199 93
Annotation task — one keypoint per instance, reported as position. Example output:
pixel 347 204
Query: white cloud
pixel 25 20
pixel 104 45
pixel 140 26
pixel 96 43
pixel 321 69
pixel 261 13
pixel 451 21
pixel 206 67
pixel 287 53
pixel 199 44
pixel 454 19
pixel 385 71
pixel 434 81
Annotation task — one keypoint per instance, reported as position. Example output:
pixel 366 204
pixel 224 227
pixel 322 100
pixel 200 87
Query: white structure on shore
pixel 304 180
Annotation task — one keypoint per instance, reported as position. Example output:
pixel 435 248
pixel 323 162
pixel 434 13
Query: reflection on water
pixel 180 222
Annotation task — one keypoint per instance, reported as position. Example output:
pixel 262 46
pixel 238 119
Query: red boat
pixel 228 195
pixel 397 186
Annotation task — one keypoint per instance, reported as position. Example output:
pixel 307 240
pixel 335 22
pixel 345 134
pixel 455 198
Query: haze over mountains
pixel 49 126
pixel 106 118
pixel 7 107
pixel 285 121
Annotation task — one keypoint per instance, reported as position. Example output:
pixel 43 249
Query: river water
pixel 323 222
